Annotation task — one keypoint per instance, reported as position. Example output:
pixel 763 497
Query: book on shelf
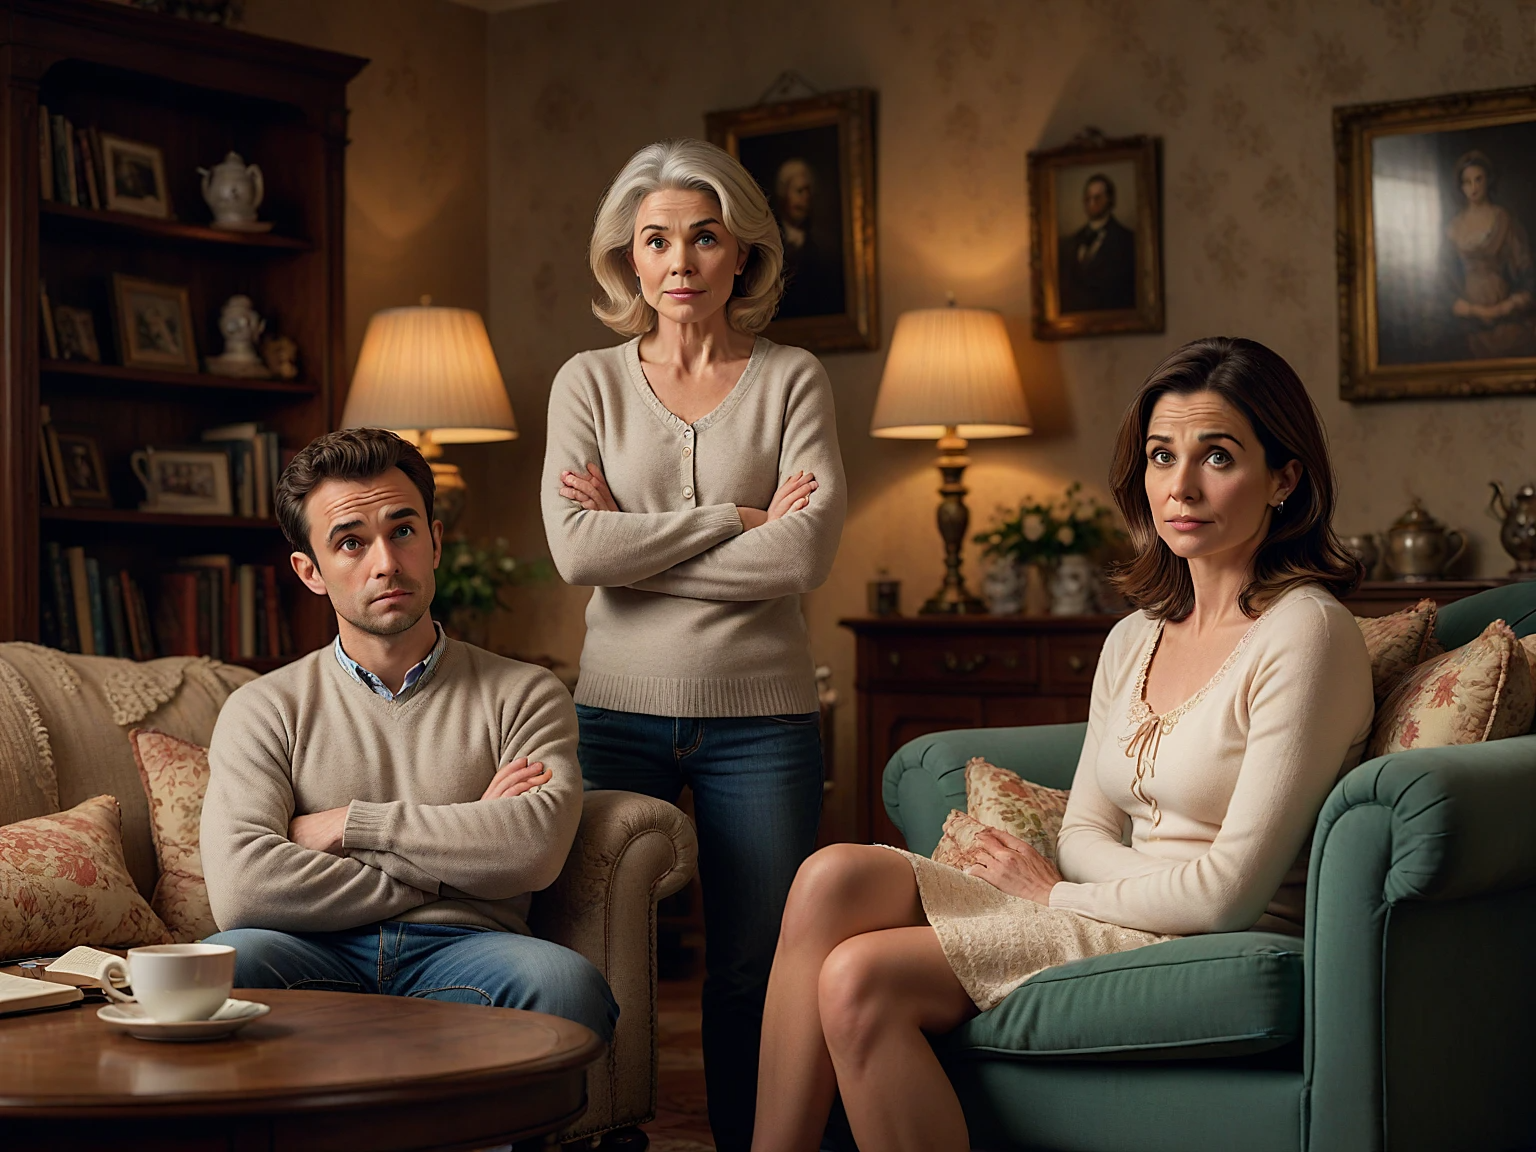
pixel 253 465
pixel 87 168
pixel 80 590
pixel 45 151
pixel 50 333
pixel 91 611
pixel 45 460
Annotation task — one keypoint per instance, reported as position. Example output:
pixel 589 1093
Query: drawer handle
pixel 1075 662
pixel 955 664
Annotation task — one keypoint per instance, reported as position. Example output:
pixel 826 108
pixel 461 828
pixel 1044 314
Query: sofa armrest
pixel 630 851
pixel 925 780
pixel 1435 832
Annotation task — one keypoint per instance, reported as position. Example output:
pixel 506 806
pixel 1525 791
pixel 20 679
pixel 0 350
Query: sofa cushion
pixel 1002 799
pixel 175 775
pixel 1481 691
pixel 1224 994
pixel 63 882
pixel 1398 642
pixel 85 706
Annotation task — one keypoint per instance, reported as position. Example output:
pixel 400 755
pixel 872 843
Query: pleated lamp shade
pixel 950 367
pixel 432 370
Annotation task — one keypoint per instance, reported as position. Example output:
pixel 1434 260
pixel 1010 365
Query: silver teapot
pixel 1419 547
pixel 1518 534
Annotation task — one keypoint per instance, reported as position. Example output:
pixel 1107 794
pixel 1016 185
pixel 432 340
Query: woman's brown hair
pixel 1300 546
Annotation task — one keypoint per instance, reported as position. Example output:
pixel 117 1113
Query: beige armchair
pixel 64 722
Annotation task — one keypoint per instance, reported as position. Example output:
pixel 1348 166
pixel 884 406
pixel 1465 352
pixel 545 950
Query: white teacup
pixel 175 983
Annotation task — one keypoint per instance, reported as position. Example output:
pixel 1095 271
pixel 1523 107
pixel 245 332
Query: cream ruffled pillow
pixel 63 882
pixel 998 798
pixel 1483 690
pixel 175 775
pixel 1398 643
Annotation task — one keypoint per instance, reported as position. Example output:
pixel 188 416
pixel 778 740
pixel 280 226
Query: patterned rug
pixel 682 1120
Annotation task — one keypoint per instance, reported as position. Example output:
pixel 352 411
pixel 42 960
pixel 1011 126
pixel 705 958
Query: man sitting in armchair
pixel 379 811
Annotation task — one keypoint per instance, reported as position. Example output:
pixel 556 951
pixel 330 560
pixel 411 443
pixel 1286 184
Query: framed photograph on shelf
pixel 1095 228
pixel 187 480
pixel 75 332
pixel 815 159
pixel 78 474
pixel 154 324
pixel 1437 206
pixel 135 178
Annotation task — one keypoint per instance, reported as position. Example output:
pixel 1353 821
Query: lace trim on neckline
pixel 1149 728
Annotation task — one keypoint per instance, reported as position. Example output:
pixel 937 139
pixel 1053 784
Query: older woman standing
pixel 1221 715
pixel 692 476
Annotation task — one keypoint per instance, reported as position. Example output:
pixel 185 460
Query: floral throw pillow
pixel 63 882
pixel 1398 643
pixel 1481 691
pixel 175 775
pixel 1001 799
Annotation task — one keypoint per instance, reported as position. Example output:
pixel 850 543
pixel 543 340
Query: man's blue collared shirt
pixel 412 678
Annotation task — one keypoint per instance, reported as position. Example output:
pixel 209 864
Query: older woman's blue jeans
pixel 756 783
pixel 432 961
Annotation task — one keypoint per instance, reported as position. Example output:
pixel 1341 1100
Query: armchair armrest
pixel 926 777
pixel 1412 848
pixel 630 851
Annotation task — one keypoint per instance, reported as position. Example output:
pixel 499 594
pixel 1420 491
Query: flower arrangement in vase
pixel 470 580
pixel 1062 538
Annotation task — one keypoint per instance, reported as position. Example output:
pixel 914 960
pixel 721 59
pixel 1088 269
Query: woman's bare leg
pixel 880 994
pixel 841 891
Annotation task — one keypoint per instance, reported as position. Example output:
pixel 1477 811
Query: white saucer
pixel 232 1016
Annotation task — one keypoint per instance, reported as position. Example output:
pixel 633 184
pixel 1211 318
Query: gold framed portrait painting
pixel 1096 264
pixel 815 160
pixel 1437 206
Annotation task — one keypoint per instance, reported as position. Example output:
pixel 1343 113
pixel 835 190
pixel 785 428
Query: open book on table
pixel 59 983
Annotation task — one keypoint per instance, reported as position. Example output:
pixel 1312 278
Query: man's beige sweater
pixel 419 843
pixel 691 615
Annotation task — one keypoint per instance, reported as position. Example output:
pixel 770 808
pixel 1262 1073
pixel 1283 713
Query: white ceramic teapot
pixel 233 190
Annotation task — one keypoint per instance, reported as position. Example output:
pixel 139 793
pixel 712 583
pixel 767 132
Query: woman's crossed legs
pixel 858 979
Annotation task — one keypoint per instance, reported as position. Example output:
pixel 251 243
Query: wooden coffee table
pixel 323 1071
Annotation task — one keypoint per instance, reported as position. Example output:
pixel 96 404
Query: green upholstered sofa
pixel 1406 1018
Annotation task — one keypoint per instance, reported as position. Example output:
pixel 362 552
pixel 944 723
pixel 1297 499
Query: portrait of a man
pixel 1095 237
pixel 813 158
pixel 1097 261
pixel 799 171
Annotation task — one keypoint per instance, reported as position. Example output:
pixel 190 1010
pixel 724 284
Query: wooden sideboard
pixel 921 674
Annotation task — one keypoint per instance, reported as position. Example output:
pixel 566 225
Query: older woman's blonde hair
pixel 696 166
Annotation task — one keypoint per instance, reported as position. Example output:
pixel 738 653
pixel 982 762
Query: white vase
pixel 1003 588
pixel 1072 586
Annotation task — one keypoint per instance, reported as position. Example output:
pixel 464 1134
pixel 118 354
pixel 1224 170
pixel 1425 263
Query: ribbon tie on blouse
pixel 1143 745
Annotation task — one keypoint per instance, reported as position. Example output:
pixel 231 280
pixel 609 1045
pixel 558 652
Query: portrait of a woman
pixel 1222 713
pixel 1495 299
pixel 692 477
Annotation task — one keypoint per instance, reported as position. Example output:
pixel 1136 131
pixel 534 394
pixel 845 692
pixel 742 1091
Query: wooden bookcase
pixel 196 92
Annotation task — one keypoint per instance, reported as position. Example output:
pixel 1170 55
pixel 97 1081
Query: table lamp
pixel 429 374
pixel 951 377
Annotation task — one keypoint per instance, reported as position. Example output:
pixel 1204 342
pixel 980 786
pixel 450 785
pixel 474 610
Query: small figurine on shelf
pixel 241 327
pixel 282 356
pixel 233 190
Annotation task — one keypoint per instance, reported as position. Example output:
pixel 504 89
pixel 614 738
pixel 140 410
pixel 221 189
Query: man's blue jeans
pixel 756 784
pixel 432 961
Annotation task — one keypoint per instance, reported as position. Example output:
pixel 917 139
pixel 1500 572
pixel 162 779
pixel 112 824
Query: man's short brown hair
pixel 350 454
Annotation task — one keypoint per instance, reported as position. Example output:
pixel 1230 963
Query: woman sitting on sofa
pixel 1222 714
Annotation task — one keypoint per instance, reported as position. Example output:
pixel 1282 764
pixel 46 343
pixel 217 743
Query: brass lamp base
pixel 953 597
pixel 452 490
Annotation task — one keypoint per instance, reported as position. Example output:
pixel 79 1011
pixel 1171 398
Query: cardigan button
pixel 688 492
